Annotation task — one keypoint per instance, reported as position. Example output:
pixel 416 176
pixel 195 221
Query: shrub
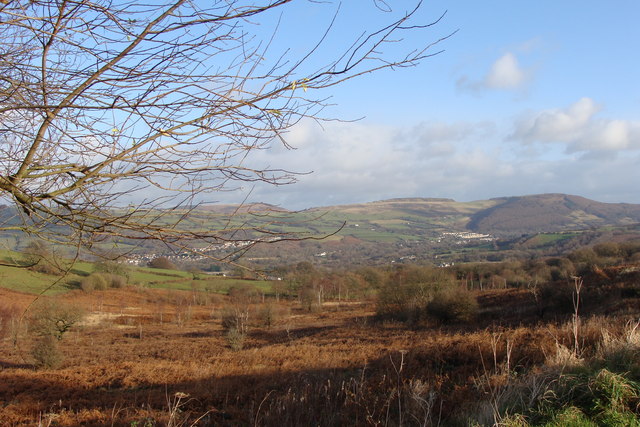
pixel 243 293
pixel 555 297
pixel 408 290
pixel 114 268
pixel 453 306
pixel 46 352
pixel 235 339
pixel 162 262
pixel 95 281
pixel 270 313
pixel 102 281
pixel 310 298
pixel 117 281
pixel 236 318
pixel 608 249
pixel 87 285
pixel 52 318
pixel 48 321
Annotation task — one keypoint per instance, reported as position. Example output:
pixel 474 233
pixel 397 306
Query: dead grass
pixel 137 348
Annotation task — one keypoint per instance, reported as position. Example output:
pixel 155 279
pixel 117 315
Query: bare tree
pixel 112 111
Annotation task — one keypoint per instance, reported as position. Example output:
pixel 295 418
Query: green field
pixel 25 280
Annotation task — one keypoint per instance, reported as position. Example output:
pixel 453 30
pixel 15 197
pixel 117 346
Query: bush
pixel 408 291
pixel 162 262
pixel 95 281
pixel 235 339
pixel 235 322
pixel 608 249
pixel 46 352
pixel 117 281
pixel 556 298
pixel 114 268
pixel 310 298
pixel 236 318
pixel 52 318
pixel 48 321
pixel 453 306
pixel 102 281
pixel 242 293
pixel 270 313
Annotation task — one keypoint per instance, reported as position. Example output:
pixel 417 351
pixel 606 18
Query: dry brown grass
pixel 137 348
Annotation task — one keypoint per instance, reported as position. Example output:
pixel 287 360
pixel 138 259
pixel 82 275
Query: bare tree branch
pixel 108 99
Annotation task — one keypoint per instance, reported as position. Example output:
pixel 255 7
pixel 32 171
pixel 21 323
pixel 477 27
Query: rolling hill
pixel 502 217
pixel 401 229
pixel 550 213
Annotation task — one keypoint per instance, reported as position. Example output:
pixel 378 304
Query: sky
pixel 525 98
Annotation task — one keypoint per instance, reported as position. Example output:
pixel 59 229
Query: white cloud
pixel 556 125
pixel 578 128
pixel 505 73
pixel 363 162
pixel 360 162
pixel 613 135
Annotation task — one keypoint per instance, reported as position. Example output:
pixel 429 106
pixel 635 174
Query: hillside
pixel 444 230
pixel 550 213
pixel 501 217
pixel 419 229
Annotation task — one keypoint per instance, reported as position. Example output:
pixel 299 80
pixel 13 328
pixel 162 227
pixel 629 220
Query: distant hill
pixel 505 216
pixel 549 213
pixel 246 208
pixel 435 230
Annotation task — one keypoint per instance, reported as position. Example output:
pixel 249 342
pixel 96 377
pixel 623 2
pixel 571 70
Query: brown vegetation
pixel 156 357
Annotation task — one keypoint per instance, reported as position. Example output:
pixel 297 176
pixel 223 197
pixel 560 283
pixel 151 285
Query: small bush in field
pixel 163 263
pixel 270 313
pixel 408 291
pixel 48 321
pixel 93 282
pixel 117 281
pixel 46 352
pixel 102 281
pixel 52 318
pixel 113 268
pixel 453 306
pixel 235 322
pixel 235 338
pixel 236 318
pixel 241 294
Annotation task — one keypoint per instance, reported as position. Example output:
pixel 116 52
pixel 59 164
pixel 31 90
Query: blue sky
pixel 527 98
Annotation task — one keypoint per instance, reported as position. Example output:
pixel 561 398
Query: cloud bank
pixel 579 129
pixel 360 162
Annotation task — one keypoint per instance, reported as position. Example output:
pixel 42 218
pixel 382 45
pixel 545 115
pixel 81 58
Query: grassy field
pixel 32 282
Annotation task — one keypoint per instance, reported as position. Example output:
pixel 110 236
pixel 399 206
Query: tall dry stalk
pixel 575 318
pixel 398 369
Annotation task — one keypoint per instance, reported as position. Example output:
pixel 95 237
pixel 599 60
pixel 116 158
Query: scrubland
pixel 146 357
